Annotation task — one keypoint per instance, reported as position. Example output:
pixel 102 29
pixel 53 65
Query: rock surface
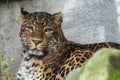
pixel 85 21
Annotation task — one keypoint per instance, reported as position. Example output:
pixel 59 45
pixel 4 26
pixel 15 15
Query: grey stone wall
pixel 85 21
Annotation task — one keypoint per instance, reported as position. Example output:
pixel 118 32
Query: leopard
pixel 47 53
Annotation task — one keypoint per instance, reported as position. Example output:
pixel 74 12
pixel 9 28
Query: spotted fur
pixel 47 54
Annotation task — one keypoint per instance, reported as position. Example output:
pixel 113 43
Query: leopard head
pixel 41 30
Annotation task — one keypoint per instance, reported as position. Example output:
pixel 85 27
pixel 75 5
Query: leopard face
pixel 40 30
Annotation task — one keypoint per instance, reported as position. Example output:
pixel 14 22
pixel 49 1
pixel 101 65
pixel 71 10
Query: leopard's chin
pixel 35 52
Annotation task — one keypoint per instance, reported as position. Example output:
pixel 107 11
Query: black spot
pixel 45 69
pixel 37 77
pixel 29 71
pixel 54 71
pixel 49 74
pixel 62 74
pixel 27 67
pixel 40 71
pixel 41 67
pixel 50 79
pixel 33 73
pixel 28 57
pixel 53 77
pixel 70 64
pixel 82 60
pixel 40 75
pixel 78 65
pixel 46 79
pixel 72 49
pixel 71 60
pixel 24 51
pixel 37 73
pixel 77 59
pixel 72 67
pixel 35 64
pixel 62 69
pixel 82 52
pixel 87 55
pixel 77 55
pixel 67 71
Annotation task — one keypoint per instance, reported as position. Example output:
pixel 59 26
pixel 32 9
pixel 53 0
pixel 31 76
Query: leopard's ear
pixel 22 13
pixel 58 17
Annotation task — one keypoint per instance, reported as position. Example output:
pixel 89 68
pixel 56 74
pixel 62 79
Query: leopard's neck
pixel 64 48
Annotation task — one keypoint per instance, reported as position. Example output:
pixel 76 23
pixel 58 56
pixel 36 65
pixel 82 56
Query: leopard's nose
pixel 37 41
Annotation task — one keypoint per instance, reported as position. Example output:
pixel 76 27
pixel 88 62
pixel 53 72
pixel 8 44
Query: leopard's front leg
pixel 76 60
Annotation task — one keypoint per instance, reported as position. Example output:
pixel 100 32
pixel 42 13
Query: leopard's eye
pixel 31 28
pixel 48 30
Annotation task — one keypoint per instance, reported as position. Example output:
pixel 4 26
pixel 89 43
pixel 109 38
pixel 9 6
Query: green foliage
pixel 114 74
pixel 4 65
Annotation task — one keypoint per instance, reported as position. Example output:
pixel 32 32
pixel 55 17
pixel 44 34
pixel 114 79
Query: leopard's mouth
pixel 33 46
pixel 38 50
pixel 35 52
